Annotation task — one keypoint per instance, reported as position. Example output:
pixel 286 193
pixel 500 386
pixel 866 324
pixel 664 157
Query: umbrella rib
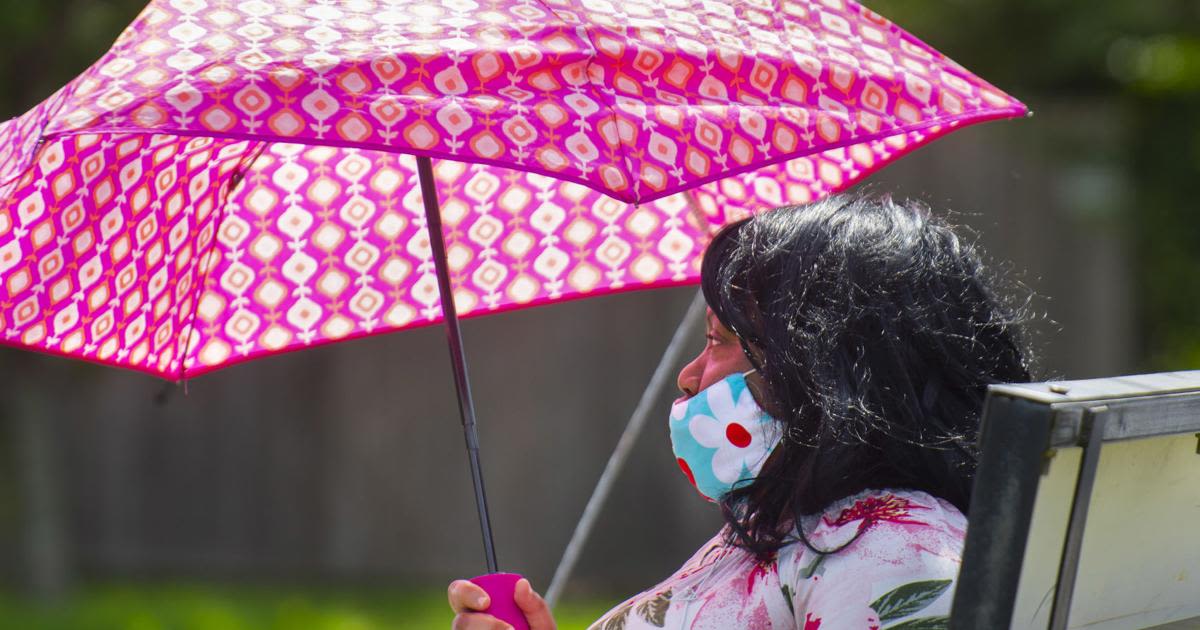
pixel 608 102
pixel 236 177
pixel 949 123
pixel 63 95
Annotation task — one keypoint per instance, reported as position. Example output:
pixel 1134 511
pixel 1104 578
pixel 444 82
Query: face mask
pixel 721 437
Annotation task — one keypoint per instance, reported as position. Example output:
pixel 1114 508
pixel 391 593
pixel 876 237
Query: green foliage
pixel 1143 58
pixel 46 43
pixel 196 607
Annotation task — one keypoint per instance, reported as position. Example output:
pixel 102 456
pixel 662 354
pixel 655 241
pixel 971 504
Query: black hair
pixel 876 330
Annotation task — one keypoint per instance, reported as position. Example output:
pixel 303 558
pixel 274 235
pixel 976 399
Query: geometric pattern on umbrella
pixel 103 244
pixel 177 256
pixel 637 99
pixel 236 179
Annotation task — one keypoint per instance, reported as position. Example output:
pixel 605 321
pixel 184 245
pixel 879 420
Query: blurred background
pixel 328 488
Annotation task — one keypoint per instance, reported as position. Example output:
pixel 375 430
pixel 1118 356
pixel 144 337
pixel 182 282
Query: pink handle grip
pixel 500 588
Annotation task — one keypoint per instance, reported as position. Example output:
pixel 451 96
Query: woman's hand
pixel 467 599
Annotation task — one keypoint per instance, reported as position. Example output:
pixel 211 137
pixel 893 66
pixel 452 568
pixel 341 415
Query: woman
pixel 832 415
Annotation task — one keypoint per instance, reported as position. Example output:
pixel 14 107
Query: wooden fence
pixel 347 461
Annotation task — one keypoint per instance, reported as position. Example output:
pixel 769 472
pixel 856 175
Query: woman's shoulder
pixel 883 527
pixel 879 515
pixel 876 557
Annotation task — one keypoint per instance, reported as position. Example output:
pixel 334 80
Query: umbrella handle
pixel 500 588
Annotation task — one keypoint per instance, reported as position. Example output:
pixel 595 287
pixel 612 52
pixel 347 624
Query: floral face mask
pixel 721 437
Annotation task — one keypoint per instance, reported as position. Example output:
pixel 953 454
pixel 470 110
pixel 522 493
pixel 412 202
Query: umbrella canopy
pixel 236 179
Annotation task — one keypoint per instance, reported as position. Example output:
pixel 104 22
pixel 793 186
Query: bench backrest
pixel 1086 506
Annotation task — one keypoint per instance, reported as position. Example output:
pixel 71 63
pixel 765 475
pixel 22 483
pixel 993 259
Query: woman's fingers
pixel 478 621
pixel 467 597
pixel 535 608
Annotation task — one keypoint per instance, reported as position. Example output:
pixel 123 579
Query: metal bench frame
pixel 1021 426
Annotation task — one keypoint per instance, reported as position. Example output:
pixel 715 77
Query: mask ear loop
pixel 754 362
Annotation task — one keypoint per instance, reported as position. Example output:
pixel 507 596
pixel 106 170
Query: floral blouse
pixel 898 575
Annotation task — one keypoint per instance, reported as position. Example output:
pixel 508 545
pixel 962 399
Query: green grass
pixel 210 607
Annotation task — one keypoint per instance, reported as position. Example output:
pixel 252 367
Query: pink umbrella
pixel 238 179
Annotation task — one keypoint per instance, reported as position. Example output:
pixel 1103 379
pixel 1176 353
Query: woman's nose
pixel 688 380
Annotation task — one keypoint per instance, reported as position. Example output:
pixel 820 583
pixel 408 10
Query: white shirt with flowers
pixel 898 574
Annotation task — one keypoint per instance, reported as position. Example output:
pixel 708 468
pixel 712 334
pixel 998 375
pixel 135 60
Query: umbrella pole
pixel 688 329
pixel 458 359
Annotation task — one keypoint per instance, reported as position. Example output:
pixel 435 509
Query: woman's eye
pixel 712 340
